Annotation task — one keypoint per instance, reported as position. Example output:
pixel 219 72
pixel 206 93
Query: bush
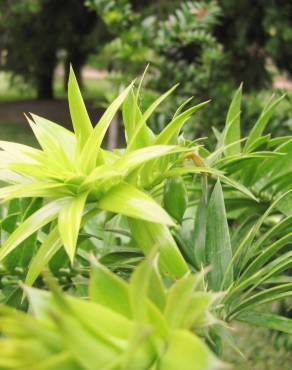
pixel 179 45
pixel 224 214
pixel 134 325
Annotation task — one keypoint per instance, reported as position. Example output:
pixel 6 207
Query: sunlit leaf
pixel 232 126
pixel 80 119
pixel 69 221
pixel 129 201
pixel 40 218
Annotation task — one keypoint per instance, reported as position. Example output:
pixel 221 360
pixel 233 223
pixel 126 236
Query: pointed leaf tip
pixel 80 118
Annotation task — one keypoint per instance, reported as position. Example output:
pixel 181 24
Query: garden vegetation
pixel 140 257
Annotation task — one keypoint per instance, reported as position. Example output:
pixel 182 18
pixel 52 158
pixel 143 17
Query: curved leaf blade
pixel 129 201
pixel 80 119
pixel 33 223
pixel 69 221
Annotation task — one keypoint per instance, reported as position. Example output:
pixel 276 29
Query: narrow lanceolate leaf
pixel 35 189
pixel 10 177
pixel 186 351
pixel 80 119
pixel 65 138
pixel 69 222
pixel 278 292
pixel 109 290
pixel 148 235
pixel 179 299
pixel 172 130
pixel 266 320
pixel 180 171
pixel 49 247
pixel 246 245
pixel 139 285
pixel 267 253
pixel 175 198
pixel 20 152
pixel 137 157
pixel 199 231
pixel 92 146
pixel 181 107
pixel 136 141
pixel 131 115
pixel 261 123
pixel 138 292
pixel 33 223
pixel 218 246
pixel 26 250
pixel 50 145
pixel 129 201
pixel 232 127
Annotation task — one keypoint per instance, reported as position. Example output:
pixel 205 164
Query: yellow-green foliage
pixel 131 326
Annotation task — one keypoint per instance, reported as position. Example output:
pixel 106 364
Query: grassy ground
pixel 9 93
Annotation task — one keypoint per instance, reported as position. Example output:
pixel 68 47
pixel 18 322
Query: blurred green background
pixel 209 47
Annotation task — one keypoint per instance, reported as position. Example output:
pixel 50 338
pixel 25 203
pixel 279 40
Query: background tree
pixel 209 46
pixel 241 32
pixel 278 25
pixel 251 35
pixel 32 33
pixel 178 43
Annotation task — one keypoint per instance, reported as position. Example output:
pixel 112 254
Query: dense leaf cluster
pixel 215 227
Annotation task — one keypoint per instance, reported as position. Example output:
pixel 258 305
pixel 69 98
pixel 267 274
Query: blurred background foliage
pixel 209 47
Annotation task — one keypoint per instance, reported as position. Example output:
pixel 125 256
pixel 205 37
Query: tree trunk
pixel 77 60
pixel 113 134
pixel 45 88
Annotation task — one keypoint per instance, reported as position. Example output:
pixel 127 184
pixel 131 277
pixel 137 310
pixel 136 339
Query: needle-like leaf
pixel 232 127
pixel 33 223
pixel 80 119
pixel 218 246
pixel 69 221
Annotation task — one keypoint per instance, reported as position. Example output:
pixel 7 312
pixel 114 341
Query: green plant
pixel 31 61
pixel 229 210
pixel 247 242
pixel 77 179
pixel 137 325
pixel 73 171
pixel 264 36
